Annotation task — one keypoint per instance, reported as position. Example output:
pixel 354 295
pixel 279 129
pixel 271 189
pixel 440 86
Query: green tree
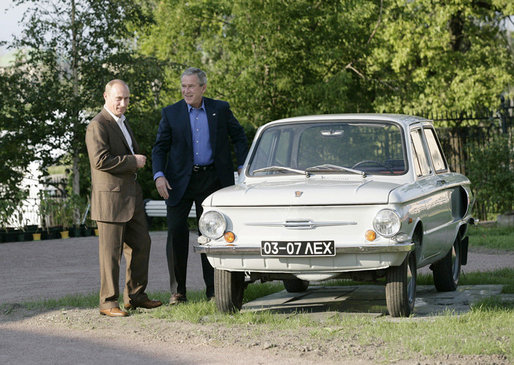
pixel 491 171
pixel 16 148
pixel 270 59
pixel 67 51
pixel 437 57
pixel 273 59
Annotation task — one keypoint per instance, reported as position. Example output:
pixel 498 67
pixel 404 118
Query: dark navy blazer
pixel 173 150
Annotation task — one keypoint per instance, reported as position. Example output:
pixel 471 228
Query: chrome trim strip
pixel 236 250
pixel 301 224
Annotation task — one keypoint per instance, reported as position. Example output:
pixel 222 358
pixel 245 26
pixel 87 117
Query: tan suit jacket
pixel 117 206
pixel 113 170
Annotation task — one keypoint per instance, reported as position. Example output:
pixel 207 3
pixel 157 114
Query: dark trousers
pixel 201 185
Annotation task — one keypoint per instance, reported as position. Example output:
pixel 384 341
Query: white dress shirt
pixel 123 127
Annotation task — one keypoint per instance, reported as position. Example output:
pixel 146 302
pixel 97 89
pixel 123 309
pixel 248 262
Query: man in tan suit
pixel 117 204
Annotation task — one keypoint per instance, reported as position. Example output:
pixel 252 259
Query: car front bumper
pixel 237 250
pixel 346 259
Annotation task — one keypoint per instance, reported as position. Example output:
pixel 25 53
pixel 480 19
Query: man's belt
pixel 199 168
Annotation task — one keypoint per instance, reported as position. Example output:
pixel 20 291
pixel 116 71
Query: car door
pixel 433 203
pixel 442 189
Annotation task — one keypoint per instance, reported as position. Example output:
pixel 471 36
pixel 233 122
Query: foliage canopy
pixel 269 59
pixel 273 59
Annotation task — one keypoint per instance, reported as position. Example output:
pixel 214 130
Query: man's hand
pixel 140 161
pixel 162 185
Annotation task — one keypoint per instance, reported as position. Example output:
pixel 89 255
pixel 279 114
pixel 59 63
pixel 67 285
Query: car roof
pixel 402 119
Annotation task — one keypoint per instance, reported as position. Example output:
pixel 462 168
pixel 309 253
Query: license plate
pixel 298 248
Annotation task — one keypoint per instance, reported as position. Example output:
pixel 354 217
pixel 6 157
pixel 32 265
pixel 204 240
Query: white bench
pixel 157 208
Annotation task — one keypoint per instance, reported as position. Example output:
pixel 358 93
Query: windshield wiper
pixel 334 168
pixel 282 169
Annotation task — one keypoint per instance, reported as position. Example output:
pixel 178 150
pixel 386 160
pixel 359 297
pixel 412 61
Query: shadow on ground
pixel 370 299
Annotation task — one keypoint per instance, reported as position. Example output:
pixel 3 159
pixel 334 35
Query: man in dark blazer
pixel 191 159
pixel 117 204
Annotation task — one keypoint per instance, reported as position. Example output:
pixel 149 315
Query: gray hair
pixel 202 77
pixel 111 83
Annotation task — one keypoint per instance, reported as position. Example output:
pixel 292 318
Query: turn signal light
pixel 370 235
pixel 229 237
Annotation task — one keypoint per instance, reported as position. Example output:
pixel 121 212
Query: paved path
pixel 55 268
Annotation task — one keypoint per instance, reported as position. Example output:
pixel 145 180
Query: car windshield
pixel 369 148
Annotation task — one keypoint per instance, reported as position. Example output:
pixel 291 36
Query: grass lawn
pixel 493 237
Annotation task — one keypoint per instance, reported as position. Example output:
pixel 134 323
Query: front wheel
pixel 446 272
pixel 401 287
pixel 295 285
pixel 228 290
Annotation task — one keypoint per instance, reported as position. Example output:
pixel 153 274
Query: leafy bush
pixel 10 205
pixel 491 172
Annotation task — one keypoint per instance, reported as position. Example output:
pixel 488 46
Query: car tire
pixel 295 285
pixel 228 289
pixel 446 272
pixel 401 287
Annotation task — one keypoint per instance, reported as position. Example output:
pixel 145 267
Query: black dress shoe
pixel 178 298
pixel 148 304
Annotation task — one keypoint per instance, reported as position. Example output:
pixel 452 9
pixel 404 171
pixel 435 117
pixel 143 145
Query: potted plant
pixel 47 209
pixel 7 209
pixel 36 236
pixel 90 225
pixel 25 231
pixel 64 216
pixel 78 211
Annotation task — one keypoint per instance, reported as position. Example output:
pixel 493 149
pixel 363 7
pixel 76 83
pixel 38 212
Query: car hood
pixel 307 192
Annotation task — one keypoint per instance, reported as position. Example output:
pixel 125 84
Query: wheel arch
pixel 464 243
pixel 418 242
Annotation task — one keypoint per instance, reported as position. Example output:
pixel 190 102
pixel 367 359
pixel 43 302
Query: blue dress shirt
pixel 202 150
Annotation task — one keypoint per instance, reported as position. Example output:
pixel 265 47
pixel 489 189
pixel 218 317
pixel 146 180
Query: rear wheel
pixel 446 272
pixel 295 285
pixel 228 289
pixel 401 287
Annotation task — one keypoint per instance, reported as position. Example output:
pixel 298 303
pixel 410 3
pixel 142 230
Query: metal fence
pixel 467 130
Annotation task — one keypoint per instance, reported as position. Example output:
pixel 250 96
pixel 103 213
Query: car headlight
pixel 387 223
pixel 212 224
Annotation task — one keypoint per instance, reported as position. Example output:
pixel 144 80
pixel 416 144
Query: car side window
pixel 435 151
pixel 274 149
pixel 421 166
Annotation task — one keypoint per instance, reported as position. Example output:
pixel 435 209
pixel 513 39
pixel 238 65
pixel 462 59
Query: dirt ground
pixel 54 268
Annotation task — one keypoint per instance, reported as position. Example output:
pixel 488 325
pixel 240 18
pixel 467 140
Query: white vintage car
pixel 359 196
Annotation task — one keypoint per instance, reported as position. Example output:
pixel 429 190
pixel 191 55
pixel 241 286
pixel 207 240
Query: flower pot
pixel 31 228
pixel 74 231
pixel 36 236
pixel 55 232
pixel 11 236
pixel 86 231
pixel 65 234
